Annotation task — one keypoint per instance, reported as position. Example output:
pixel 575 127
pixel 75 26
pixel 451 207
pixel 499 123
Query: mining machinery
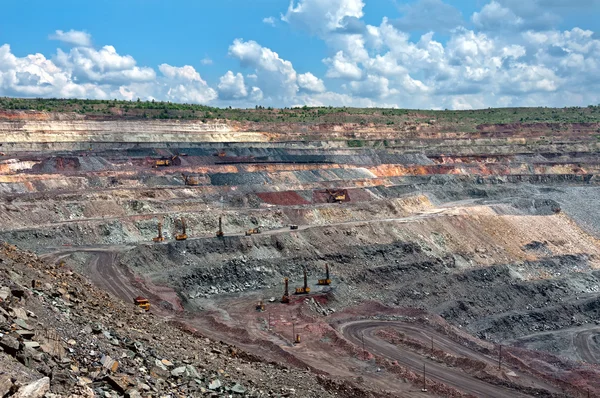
pixel 305 289
pixel 286 293
pixel 165 162
pixel 326 281
pixel 253 231
pixel 160 237
pixel 337 196
pixel 182 235
pixel 142 303
pixel 220 233
pixel 191 180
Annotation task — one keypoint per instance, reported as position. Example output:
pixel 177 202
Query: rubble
pixel 69 339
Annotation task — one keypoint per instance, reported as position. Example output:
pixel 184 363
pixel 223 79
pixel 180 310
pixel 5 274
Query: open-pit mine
pixel 423 257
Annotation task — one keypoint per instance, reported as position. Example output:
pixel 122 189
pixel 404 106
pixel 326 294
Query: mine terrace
pixel 448 253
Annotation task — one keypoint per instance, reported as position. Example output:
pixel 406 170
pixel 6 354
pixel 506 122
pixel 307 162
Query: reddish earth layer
pixel 287 198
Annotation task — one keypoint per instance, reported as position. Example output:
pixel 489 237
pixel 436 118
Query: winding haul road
pixel 105 273
pixel 452 376
pixel 587 345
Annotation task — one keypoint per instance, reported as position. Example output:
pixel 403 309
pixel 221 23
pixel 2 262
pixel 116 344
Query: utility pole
pixel 362 336
pixel 500 357
pixel 293 332
pixel 424 380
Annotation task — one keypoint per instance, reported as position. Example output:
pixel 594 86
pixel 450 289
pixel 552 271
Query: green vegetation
pixel 392 118
pixel 355 143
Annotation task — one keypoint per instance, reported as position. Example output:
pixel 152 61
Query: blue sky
pixel 418 53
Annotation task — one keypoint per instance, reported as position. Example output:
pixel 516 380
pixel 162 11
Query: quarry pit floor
pixel 399 351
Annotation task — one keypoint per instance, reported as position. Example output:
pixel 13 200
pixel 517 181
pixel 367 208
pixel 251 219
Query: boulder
pixel 4 293
pixel 214 385
pixel 10 345
pixel 36 389
pixel 178 371
pixel 5 385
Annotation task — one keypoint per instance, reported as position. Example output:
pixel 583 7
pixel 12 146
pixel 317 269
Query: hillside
pixel 476 231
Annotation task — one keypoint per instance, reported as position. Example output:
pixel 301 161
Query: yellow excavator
pixel 305 289
pixel 336 196
pixel 182 235
pixel 160 237
pixel 165 162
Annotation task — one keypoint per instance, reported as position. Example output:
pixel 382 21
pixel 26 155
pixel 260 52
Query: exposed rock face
pixel 492 228
pixel 78 362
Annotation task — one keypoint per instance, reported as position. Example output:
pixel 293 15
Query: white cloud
pixel 309 82
pixel 184 84
pixel 511 57
pixel 85 72
pixel 206 61
pixel 342 67
pixel 275 76
pixel 232 87
pixel 322 16
pixel 75 37
pixel 103 66
pixel 530 79
pixel 494 16
pixel 385 65
pixel 372 87
pixel 184 73
pixel 256 95
pixel 269 21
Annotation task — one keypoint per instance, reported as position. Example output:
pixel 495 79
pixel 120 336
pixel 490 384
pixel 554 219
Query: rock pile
pixel 61 337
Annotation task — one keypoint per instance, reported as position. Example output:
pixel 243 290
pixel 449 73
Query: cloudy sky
pixel 431 54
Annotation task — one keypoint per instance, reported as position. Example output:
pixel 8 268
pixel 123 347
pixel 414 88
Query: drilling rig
pixel 286 293
pixel 220 233
pixel 182 235
pixel 305 289
pixel 160 237
pixel 326 281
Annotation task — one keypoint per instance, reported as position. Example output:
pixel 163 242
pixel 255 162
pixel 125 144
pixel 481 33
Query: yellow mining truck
pixel 142 303
pixel 253 231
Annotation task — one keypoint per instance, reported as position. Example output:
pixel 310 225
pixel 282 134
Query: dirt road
pixel 104 272
pixel 581 343
pixel 358 330
pixel 587 345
